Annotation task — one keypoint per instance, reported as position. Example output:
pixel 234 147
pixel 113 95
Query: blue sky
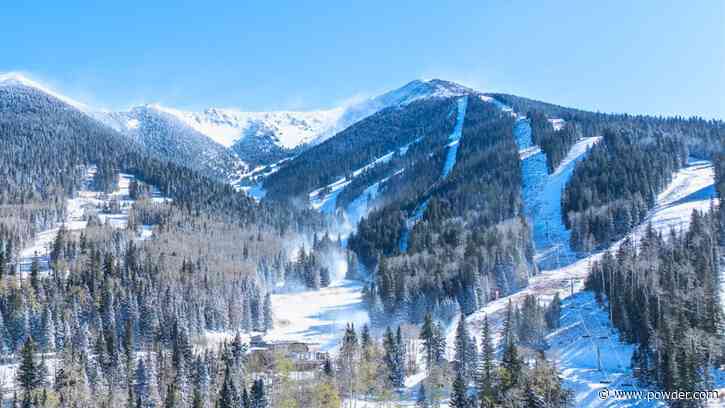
pixel 629 56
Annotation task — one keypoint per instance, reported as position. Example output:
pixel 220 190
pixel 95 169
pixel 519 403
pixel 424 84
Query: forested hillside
pixel 108 292
pixel 165 136
pixel 614 187
pixel 61 140
pixel 664 296
pixel 359 145
pixel 469 240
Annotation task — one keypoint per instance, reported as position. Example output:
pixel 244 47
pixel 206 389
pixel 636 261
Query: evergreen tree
pixel 464 366
pixel 28 375
pixel 3 267
pixel 142 383
pixel 325 278
pixel 245 400
pixel 258 397
pixel 459 393
pixel 172 396
pixel 553 313
pixel 393 359
pixel 511 366
pixel 439 350
pixel 228 397
pixel 487 369
pixel 427 336
pixel 35 273
pixel 268 318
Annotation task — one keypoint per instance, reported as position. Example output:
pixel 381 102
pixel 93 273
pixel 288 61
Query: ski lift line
pixel 611 344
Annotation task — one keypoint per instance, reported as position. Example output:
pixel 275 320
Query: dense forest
pixel 470 240
pixel 114 319
pixel 664 295
pixel 120 318
pixel 614 187
pixel 554 143
pixel 359 145
pixel 63 141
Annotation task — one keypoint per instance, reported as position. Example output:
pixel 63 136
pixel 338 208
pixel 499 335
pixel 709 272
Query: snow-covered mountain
pixel 165 135
pixel 152 129
pixel 226 142
pixel 265 137
pixel 288 129
pixel 410 92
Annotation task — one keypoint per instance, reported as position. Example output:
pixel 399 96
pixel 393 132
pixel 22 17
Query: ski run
pixel 585 326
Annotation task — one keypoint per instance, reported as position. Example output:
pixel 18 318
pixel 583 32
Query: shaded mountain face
pixel 227 143
pixel 146 128
pixel 262 138
pixel 165 135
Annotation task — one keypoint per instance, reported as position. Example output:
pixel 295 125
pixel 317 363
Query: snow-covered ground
pixel 77 211
pixel 542 195
pixel 455 137
pixel 573 355
pixel 318 316
pixel 590 355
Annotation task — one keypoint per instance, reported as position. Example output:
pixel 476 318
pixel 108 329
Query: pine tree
pixel 511 366
pixel 245 400
pixel 427 335
pixel 401 352
pixel 392 359
pixel 459 393
pixel 2 261
pixel 553 313
pixel 258 397
pixel 462 350
pixel 171 396
pixel 28 376
pixel 197 401
pixel 35 273
pixel 142 383
pixel 487 368
pixel 228 397
pixel 268 318
pixel 325 278
pixel 439 350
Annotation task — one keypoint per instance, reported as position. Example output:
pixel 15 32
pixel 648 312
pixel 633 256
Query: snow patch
pixel 318 316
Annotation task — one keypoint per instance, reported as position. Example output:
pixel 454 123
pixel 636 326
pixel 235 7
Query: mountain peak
pixel 18 79
pixel 449 87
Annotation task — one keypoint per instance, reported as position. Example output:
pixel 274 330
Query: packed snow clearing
pixel 318 316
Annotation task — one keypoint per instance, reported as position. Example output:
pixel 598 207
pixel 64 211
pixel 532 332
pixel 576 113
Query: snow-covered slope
pixel 408 93
pixel 18 80
pixel 255 135
pixel 673 209
pixel 160 133
pixel 165 135
pixel 288 129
